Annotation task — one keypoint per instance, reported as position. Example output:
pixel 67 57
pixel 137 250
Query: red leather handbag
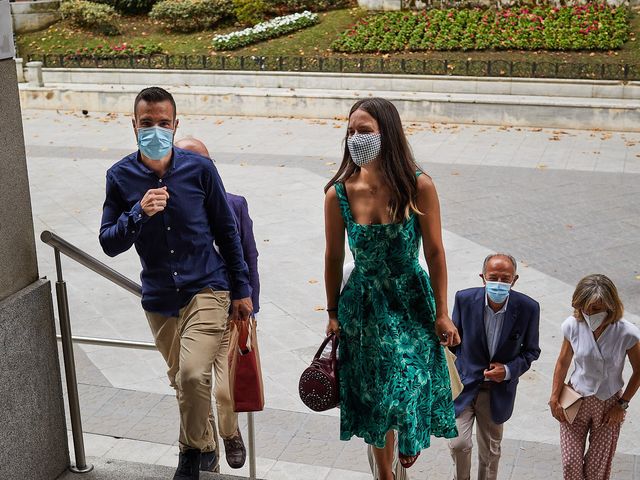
pixel 318 387
pixel 245 374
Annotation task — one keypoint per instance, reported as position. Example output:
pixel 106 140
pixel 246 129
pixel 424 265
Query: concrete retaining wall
pixel 346 81
pixel 493 101
pixel 608 114
pixel 380 4
pixel 33 16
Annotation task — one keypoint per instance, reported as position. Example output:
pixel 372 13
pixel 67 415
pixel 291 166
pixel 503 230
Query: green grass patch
pixel 63 37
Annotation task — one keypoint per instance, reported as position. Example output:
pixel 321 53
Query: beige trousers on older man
pixel 193 344
pixel 488 434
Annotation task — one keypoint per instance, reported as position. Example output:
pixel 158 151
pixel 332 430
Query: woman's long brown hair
pixel 396 159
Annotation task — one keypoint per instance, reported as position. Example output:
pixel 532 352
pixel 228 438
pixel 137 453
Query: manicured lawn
pixel 62 37
pixel 314 41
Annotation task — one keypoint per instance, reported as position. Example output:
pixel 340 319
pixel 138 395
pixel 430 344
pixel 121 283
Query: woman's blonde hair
pixel 593 289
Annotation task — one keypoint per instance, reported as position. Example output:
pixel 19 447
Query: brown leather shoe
pixel 235 451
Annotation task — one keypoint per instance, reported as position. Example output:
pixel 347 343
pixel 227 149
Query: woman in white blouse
pixel 598 339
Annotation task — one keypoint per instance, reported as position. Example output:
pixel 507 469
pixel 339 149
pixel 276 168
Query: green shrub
pixel 191 15
pixel 288 6
pixel 249 12
pixel 130 7
pixel 123 50
pixel 92 16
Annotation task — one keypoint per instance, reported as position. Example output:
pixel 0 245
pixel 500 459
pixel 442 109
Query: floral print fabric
pixel 393 372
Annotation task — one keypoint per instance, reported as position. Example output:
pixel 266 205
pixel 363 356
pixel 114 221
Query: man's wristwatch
pixel 624 404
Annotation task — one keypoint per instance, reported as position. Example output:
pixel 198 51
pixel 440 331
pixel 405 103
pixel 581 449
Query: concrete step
pixel 104 469
pixel 475 108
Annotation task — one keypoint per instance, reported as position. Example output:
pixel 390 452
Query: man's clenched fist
pixel 154 201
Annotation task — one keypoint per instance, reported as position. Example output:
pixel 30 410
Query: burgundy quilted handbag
pixel 318 385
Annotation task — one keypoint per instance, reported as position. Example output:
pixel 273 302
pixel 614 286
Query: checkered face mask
pixel 364 147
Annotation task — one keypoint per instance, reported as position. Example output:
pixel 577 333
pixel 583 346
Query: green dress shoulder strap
pixel 341 192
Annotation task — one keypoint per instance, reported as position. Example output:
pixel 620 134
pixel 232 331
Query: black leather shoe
pixel 209 462
pixel 235 451
pixel 188 465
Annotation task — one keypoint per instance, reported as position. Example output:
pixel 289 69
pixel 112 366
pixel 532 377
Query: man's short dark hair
pixel 154 95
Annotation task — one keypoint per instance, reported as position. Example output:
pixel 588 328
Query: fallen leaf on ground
pixel 312 282
pixel 318 308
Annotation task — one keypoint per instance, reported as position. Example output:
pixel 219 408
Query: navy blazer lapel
pixel 510 318
pixel 478 320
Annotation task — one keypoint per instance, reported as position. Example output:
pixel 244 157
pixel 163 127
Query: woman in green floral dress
pixel 392 324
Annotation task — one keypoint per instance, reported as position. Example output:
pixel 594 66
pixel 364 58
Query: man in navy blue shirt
pixel 171 204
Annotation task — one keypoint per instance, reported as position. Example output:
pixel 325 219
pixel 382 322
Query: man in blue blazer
pixel 499 331
pixel 235 450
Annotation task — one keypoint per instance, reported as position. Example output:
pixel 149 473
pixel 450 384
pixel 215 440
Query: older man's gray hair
pixel 503 255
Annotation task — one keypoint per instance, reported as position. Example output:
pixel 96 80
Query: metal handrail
pixel 90 262
pixel 59 246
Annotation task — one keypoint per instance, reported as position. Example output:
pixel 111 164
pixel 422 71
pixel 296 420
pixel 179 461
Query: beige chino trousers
pixel 194 344
pixel 488 434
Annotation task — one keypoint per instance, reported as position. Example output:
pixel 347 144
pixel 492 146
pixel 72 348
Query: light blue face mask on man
pixel 498 292
pixel 155 142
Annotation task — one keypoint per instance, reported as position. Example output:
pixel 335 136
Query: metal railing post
pixel 252 446
pixel 70 371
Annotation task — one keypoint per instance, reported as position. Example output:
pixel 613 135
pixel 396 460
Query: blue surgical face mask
pixel 155 142
pixel 498 292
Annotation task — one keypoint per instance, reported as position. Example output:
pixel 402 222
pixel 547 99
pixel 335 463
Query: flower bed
pixel 264 31
pixel 593 26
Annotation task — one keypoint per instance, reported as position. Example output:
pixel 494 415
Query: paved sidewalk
pixel 291 445
pixel 544 195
